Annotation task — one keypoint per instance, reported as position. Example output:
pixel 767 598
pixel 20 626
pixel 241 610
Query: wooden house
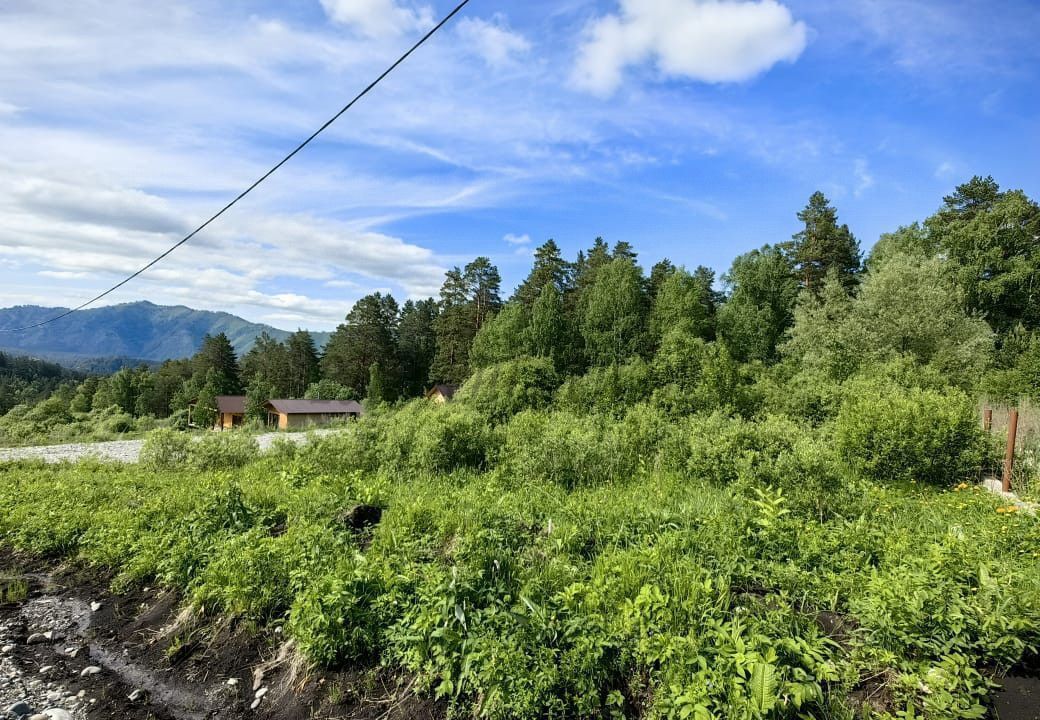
pixel 231 411
pixel 285 414
pixel 442 393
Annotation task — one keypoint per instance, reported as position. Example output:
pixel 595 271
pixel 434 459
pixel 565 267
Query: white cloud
pixel 378 18
pixel 864 178
pixel 63 275
pixel 946 170
pixel 49 228
pixel 711 41
pixel 513 239
pixel 493 41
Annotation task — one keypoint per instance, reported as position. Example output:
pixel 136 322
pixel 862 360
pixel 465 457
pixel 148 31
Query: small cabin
pixel 286 414
pixel 442 393
pixel 231 411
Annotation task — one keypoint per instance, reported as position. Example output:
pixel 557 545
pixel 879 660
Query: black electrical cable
pixel 301 146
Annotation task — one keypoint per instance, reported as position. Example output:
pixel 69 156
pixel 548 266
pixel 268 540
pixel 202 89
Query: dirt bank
pixel 70 650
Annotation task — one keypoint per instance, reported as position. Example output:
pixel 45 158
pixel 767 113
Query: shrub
pixel 502 390
pixel 719 448
pixel 223 451
pixel 165 449
pixel 577 451
pixel 612 389
pixel 452 438
pixel 888 433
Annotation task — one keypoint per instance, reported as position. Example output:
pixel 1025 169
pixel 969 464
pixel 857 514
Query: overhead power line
pixel 447 18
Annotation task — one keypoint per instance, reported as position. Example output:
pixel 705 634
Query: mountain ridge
pixel 142 331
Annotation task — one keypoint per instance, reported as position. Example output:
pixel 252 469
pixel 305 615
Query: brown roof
pixel 233 404
pixel 316 407
pixel 448 391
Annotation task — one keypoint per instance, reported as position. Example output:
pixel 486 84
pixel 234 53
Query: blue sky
pixel 693 129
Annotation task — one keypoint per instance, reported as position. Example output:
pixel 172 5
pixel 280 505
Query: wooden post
pixel 1009 456
pixel 987 419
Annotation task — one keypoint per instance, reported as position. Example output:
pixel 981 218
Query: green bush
pixel 577 451
pixel 502 390
pixel 612 389
pixel 890 433
pixel 452 437
pixel 223 451
pixel 166 449
pixel 718 448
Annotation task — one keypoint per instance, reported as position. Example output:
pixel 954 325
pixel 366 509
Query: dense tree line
pixel 957 293
pixel 26 380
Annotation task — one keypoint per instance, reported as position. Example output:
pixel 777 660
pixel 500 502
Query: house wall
pixel 229 420
pixel 438 398
pixel 297 421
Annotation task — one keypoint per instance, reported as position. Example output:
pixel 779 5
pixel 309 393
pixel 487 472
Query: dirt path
pixel 121 450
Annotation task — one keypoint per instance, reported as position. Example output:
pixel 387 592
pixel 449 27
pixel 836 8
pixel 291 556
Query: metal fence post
pixel 1009 456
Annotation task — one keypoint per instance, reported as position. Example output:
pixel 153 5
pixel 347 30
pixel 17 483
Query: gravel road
pixel 121 450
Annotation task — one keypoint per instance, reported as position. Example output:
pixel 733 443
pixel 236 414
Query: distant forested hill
pixel 140 330
pixel 25 380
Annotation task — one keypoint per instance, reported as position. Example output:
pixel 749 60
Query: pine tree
pixel 416 344
pixel 658 274
pixel 368 336
pixel 821 245
pixel 454 330
pixel 302 363
pixel 216 362
pixel 624 250
pixel 469 299
pixel 549 268
pixel 484 284
pixel 993 239
pixel 268 362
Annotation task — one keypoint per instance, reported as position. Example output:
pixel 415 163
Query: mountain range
pixel 127 334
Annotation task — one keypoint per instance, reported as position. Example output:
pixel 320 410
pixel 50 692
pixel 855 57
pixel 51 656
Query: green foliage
pixel 502 338
pixel 26 381
pixel 327 389
pixel 469 299
pixel 613 321
pixel 763 290
pixel 503 390
pixel 217 363
pixel 167 449
pixel 823 247
pixel 990 237
pixel 368 336
pixel 891 434
pixel 547 333
pixel 601 567
pixel 684 303
pixel 609 390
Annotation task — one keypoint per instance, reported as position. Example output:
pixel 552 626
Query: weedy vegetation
pixel 557 565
